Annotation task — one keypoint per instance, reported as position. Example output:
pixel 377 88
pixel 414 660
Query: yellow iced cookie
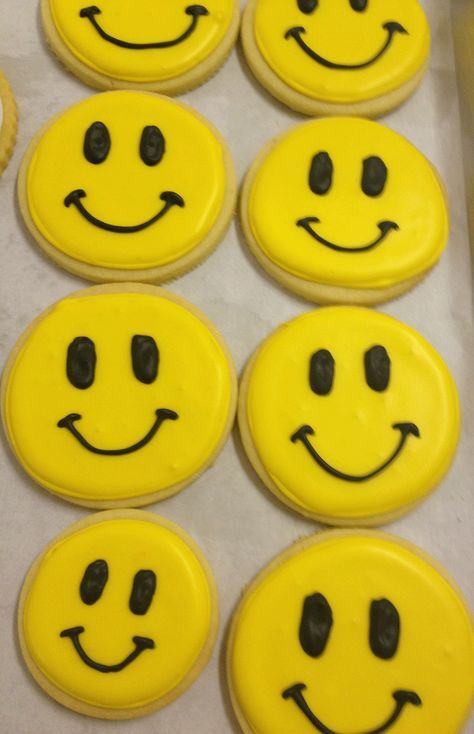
pixel 344 210
pixel 153 45
pixel 352 632
pixel 118 396
pixel 362 57
pixel 8 122
pixel 127 184
pixel 348 416
pixel 118 616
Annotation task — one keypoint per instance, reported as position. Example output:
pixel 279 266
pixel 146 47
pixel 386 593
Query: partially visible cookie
pixel 332 57
pixel 149 45
pixel 8 122
pixel 118 615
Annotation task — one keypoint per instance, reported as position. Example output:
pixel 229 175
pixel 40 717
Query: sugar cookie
pixel 351 632
pixel 118 396
pixel 348 416
pixel 127 185
pixel 344 210
pixel 8 122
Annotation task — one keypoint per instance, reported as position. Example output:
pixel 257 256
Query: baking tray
pixel 228 512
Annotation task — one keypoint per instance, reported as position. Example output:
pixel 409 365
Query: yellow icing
pixel 348 687
pixel 345 37
pixel 178 619
pixel 195 379
pixel 141 21
pixel 353 423
pixel 413 199
pixel 122 190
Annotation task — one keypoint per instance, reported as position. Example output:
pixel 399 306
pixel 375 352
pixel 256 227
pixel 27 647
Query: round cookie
pixel 351 632
pixel 8 122
pixel 329 210
pixel 348 416
pixel 127 185
pixel 333 57
pixel 118 615
pixel 118 396
pixel 149 45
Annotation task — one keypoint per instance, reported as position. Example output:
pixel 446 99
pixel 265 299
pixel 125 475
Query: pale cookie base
pixel 109 713
pixel 9 126
pixel 313 107
pixel 254 458
pixel 159 274
pixel 298 547
pixel 320 293
pixel 159 494
pixel 179 85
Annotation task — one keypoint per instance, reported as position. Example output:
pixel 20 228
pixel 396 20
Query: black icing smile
pixel 391 27
pixel 195 11
pixel 141 644
pixel 402 698
pixel 162 414
pixel 385 228
pixel 406 429
pixel 169 197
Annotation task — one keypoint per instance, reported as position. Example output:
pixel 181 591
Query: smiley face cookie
pixel 8 122
pixel 118 396
pixel 118 616
pixel 152 45
pixel 344 210
pixel 329 57
pixel 351 632
pixel 127 184
pixel 348 416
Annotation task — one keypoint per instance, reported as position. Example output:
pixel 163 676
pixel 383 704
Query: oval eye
pixel 80 363
pixel 377 368
pixel 145 358
pixel 316 623
pixel 384 629
pixel 307 6
pixel 152 145
pixel 321 372
pixel 143 591
pixel 359 5
pixel 97 143
pixel 320 173
pixel 93 582
pixel 374 176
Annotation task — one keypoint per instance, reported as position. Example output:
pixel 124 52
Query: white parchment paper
pixel 228 512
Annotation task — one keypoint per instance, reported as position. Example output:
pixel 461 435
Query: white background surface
pixel 228 512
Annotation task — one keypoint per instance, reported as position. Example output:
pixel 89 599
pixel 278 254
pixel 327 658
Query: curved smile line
pixel 141 644
pixel 193 10
pixel 401 699
pixel 406 429
pixel 162 414
pixel 392 28
pixel 169 197
pixel 385 228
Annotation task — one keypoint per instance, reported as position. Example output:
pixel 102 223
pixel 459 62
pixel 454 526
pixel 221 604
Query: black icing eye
pixel 93 582
pixel 97 143
pixel 384 629
pixel 320 173
pixel 377 368
pixel 307 6
pixel 374 176
pixel 143 591
pixel 145 358
pixel 321 372
pixel 316 623
pixel 152 145
pixel 359 5
pixel 80 363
